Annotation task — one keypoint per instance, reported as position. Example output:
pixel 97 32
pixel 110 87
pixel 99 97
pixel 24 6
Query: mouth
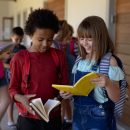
pixel 43 49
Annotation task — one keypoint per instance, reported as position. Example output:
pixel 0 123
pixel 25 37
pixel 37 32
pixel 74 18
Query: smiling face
pixel 87 44
pixel 42 39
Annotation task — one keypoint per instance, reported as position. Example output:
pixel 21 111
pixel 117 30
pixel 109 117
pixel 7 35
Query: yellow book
pixel 82 87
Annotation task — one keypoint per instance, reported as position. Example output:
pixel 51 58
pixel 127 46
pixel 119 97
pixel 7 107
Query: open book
pixel 43 110
pixel 5 46
pixel 82 87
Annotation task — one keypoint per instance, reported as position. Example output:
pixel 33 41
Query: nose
pixel 18 41
pixel 44 43
pixel 85 40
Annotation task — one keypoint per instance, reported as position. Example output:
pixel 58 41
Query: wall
pixel 75 10
pixel 21 9
pixel 23 6
pixel 3 12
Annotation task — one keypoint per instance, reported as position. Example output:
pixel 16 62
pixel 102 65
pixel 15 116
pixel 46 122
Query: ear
pixel 29 39
pixel 30 36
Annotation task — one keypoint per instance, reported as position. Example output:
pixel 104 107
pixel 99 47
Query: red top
pixel 43 73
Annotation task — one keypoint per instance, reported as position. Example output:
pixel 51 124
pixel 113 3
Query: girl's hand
pixel 25 101
pixel 102 81
pixel 65 95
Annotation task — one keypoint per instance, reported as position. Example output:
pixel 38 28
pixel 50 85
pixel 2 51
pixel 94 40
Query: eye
pixel 81 39
pixel 40 40
pixel 89 39
pixel 50 40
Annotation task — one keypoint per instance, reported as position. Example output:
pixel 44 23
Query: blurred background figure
pixel 65 41
pixel 4 96
pixel 16 38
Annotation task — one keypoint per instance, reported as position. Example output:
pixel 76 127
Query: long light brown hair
pixel 94 27
pixel 65 29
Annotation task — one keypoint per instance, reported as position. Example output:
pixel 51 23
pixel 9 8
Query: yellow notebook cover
pixel 82 87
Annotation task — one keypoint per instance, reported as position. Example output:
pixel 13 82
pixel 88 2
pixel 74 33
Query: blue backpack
pixel 103 69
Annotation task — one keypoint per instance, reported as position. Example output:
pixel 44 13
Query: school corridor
pixel 115 13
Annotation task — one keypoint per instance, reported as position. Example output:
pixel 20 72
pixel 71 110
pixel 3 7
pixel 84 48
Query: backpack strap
pixel 104 68
pixel 55 57
pixel 105 63
pixel 27 67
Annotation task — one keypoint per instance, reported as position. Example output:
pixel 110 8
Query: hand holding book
pixel 24 100
pixel 66 95
pixel 44 110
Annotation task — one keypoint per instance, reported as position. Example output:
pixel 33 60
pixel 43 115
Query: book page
pixel 84 85
pixel 39 113
pixel 5 46
pixel 50 104
pixel 38 103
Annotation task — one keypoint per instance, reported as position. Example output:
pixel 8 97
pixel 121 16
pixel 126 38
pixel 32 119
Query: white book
pixel 5 46
pixel 44 110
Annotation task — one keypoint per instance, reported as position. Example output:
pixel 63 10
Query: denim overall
pixel 91 115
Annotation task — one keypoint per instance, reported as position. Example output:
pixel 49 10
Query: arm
pixel 16 76
pixel 15 83
pixel 112 87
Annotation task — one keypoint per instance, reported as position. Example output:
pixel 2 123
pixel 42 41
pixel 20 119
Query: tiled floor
pixel 3 123
pixel 4 126
pixel 122 126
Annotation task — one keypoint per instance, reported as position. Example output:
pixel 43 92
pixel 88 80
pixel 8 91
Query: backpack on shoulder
pixel 104 68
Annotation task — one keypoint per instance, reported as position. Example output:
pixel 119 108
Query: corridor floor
pixel 4 126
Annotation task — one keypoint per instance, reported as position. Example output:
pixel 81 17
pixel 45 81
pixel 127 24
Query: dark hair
pixel 94 27
pixel 18 31
pixel 41 18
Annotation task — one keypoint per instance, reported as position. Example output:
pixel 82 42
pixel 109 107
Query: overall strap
pixel 76 65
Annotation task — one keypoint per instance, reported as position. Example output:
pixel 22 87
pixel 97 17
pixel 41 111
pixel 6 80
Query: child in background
pixel 95 111
pixel 16 37
pixel 41 26
pixel 63 41
pixel 4 96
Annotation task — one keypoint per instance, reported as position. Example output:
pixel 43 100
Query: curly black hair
pixel 42 19
pixel 18 31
